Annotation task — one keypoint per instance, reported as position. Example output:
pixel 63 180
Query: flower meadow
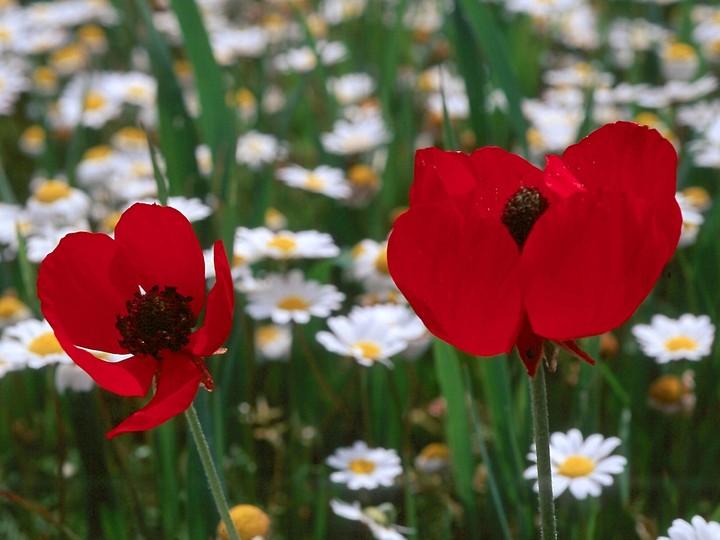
pixel 300 269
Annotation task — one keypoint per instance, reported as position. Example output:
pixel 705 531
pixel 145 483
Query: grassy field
pixel 269 123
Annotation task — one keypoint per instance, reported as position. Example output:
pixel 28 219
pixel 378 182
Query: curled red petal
pixel 160 246
pixel 178 379
pixel 591 260
pixel 461 276
pixel 131 377
pixel 627 158
pixel 530 347
pixel 577 351
pixel 78 294
pixel 218 311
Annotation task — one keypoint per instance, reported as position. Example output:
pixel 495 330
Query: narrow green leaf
pixel 216 120
pixel 459 433
pixel 176 129
pixel 485 29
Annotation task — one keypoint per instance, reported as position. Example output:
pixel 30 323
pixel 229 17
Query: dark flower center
pixel 522 211
pixel 156 320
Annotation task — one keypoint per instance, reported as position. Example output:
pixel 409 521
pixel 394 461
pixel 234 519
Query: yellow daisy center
pixel 10 305
pixel 313 181
pixel 436 451
pixel 293 303
pixel 679 51
pixel 362 466
pixel 51 191
pixel 249 522
pixel 681 343
pixel 668 389
pixel 363 176
pixel 45 344
pixel 368 349
pixel 45 76
pixel 34 134
pixel 576 466
pixel 381 264
pixel 98 152
pixel 282 242
pixel 265 335
pixel 131 137
pixel 357 250
pixel 238 260
pixel 94 101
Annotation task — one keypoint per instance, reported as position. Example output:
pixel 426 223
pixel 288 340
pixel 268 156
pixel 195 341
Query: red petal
pixel 78 295
pixel 530 347
pixel 460 276
pixel 160 245
pixel 591 260
pixel 628 158
pixel 575 349
pixel 559 180
pixel 131 377
pixel 218 312
pixel 178 380
pixel 479 184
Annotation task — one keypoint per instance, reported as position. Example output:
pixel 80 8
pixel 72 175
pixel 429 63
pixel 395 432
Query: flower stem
pixel 541 433
pixel 210 471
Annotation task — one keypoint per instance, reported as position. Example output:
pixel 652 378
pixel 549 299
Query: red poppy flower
pixel 140 293
pixel 495 253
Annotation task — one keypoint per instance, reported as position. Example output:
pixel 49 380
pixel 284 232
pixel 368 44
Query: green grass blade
pixel 459 433
pixel 176 129
pixel 486 31
pixel 216 120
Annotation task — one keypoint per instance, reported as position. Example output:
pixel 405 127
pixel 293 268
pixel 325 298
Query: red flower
pixel 495 253
pixel 140 293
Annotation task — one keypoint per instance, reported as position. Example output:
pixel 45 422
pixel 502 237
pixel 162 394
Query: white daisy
pixel 72 377
pixel 283 245
pixel 273 341
pixel 665 339
pixel 33 343
pixel 13 81
pixel 98 164
pixel 32 140
pixel 360 467
pixel 191 207
pixel 12 309
pixel 256 149
pixel 370 266
pixel 45 239
pixel 402 322
pixel 288 297
pixel 12 216
pixel 355 137
pixel 363 335
pixel 697 529
pixel 54 202
pixel 91 102
pixel 10 364
pixel 329 181
pixel 692 219
pixel 351 88
pixel 377 518
pixel 582 466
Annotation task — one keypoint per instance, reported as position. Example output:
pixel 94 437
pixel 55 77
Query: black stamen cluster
pixel 156 320
pixel 522 211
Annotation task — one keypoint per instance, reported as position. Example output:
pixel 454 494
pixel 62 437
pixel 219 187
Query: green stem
pixel 209 465
pixel 541 432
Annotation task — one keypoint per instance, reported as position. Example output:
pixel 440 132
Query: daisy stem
pixel 541 433
pixel 210 471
